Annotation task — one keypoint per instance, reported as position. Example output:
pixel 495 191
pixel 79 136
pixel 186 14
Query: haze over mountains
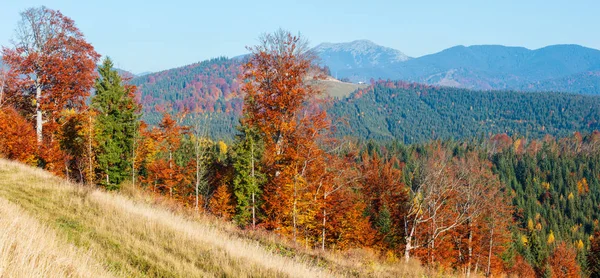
pixel 559 68
pixel 346 58
pixel 569 68
pixel 409 111
pixel 213 86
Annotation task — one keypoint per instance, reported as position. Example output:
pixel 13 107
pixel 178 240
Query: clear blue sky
pixel 156 35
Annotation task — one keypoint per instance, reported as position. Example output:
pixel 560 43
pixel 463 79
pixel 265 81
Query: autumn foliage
pixel 53 69
pixel 446 203
pixel 18 137
pixel 563 262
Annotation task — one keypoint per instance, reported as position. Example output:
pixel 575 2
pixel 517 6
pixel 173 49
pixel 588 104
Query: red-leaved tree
pixel 55 66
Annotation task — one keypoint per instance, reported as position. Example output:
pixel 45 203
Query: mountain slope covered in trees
pixel 485 204
pixel 211 87
pixel 408 112
pixel 412 112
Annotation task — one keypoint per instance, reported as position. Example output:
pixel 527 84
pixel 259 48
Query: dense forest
pixel 468 182
pixel 554 185
pixel 386 110
pixel 211 87
pixel 414 113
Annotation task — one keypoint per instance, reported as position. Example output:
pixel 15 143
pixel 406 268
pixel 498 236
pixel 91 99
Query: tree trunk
pixel 67 170
pixel 38 111
pixel 294 218
pixel 294 206
pixel 408 238
pixel 133 160
pixel 197 171
pixel 470 248
pixel 253 183
pixel 324 222
pixel 489 264
pixel 407 249
pixel 90 154
pixel 253 212
pixel 171 173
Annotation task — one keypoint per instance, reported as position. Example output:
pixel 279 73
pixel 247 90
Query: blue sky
pixel 156 35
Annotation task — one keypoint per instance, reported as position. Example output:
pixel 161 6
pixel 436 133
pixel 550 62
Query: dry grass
pixel 29 249
pixel 338 89
pixel 134 239
pixel 132 236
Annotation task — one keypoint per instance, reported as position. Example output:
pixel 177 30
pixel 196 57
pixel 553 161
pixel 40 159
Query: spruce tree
pixel 248 179
pixel 117 121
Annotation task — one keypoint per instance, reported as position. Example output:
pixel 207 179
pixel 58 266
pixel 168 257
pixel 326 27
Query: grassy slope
pixel 66 230
pixel 30 249
pixel 134 239
pixel 338 89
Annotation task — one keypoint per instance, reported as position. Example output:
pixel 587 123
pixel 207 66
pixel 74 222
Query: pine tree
pixel 248 179
pixel 116 124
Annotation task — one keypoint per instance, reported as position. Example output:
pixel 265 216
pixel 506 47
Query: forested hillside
pixel 388 110
pixel 415 113
pixel 552 184
pixel 211 87
pixel 482 183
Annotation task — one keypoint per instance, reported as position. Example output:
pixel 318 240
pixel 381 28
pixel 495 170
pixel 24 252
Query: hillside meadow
pixel 60 229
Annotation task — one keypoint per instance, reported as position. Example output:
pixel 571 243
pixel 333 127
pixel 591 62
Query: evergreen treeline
pixel 415 113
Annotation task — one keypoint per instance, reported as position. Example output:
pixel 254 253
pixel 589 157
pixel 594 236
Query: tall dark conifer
pixel 248 179
pixel 116 124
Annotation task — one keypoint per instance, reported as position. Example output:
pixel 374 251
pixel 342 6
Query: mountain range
pixel 568 68
pixel 564 68
pixel 474 88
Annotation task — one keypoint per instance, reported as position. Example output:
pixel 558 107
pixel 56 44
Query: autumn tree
pixel 434 208
pixel 563 262
pixel 521 268
pixel 278 104
pixel 344 224
pixel 17 140
pixel 593 256
pixel 483 236
pixel 201 125
pixel 116 124
pixel 164 174
pixel 8 89
pixel 385 195
pixel 55 64
pixel 77 140
pixel 222 203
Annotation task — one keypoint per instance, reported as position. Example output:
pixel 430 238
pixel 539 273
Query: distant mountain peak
pixel 358 54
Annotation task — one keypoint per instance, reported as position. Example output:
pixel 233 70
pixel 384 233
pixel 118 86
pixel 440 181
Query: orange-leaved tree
pixel 280 102
pixel 164 174
pixel 563 262
pixel 385 195
pixel 17 139
pixel 482 238
pixel 56 68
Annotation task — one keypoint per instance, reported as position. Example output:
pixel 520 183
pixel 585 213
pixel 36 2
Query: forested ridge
pixel 386 110
pixel 412 112
pixel 467 182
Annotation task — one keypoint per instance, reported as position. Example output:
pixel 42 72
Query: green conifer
pixel 117 121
